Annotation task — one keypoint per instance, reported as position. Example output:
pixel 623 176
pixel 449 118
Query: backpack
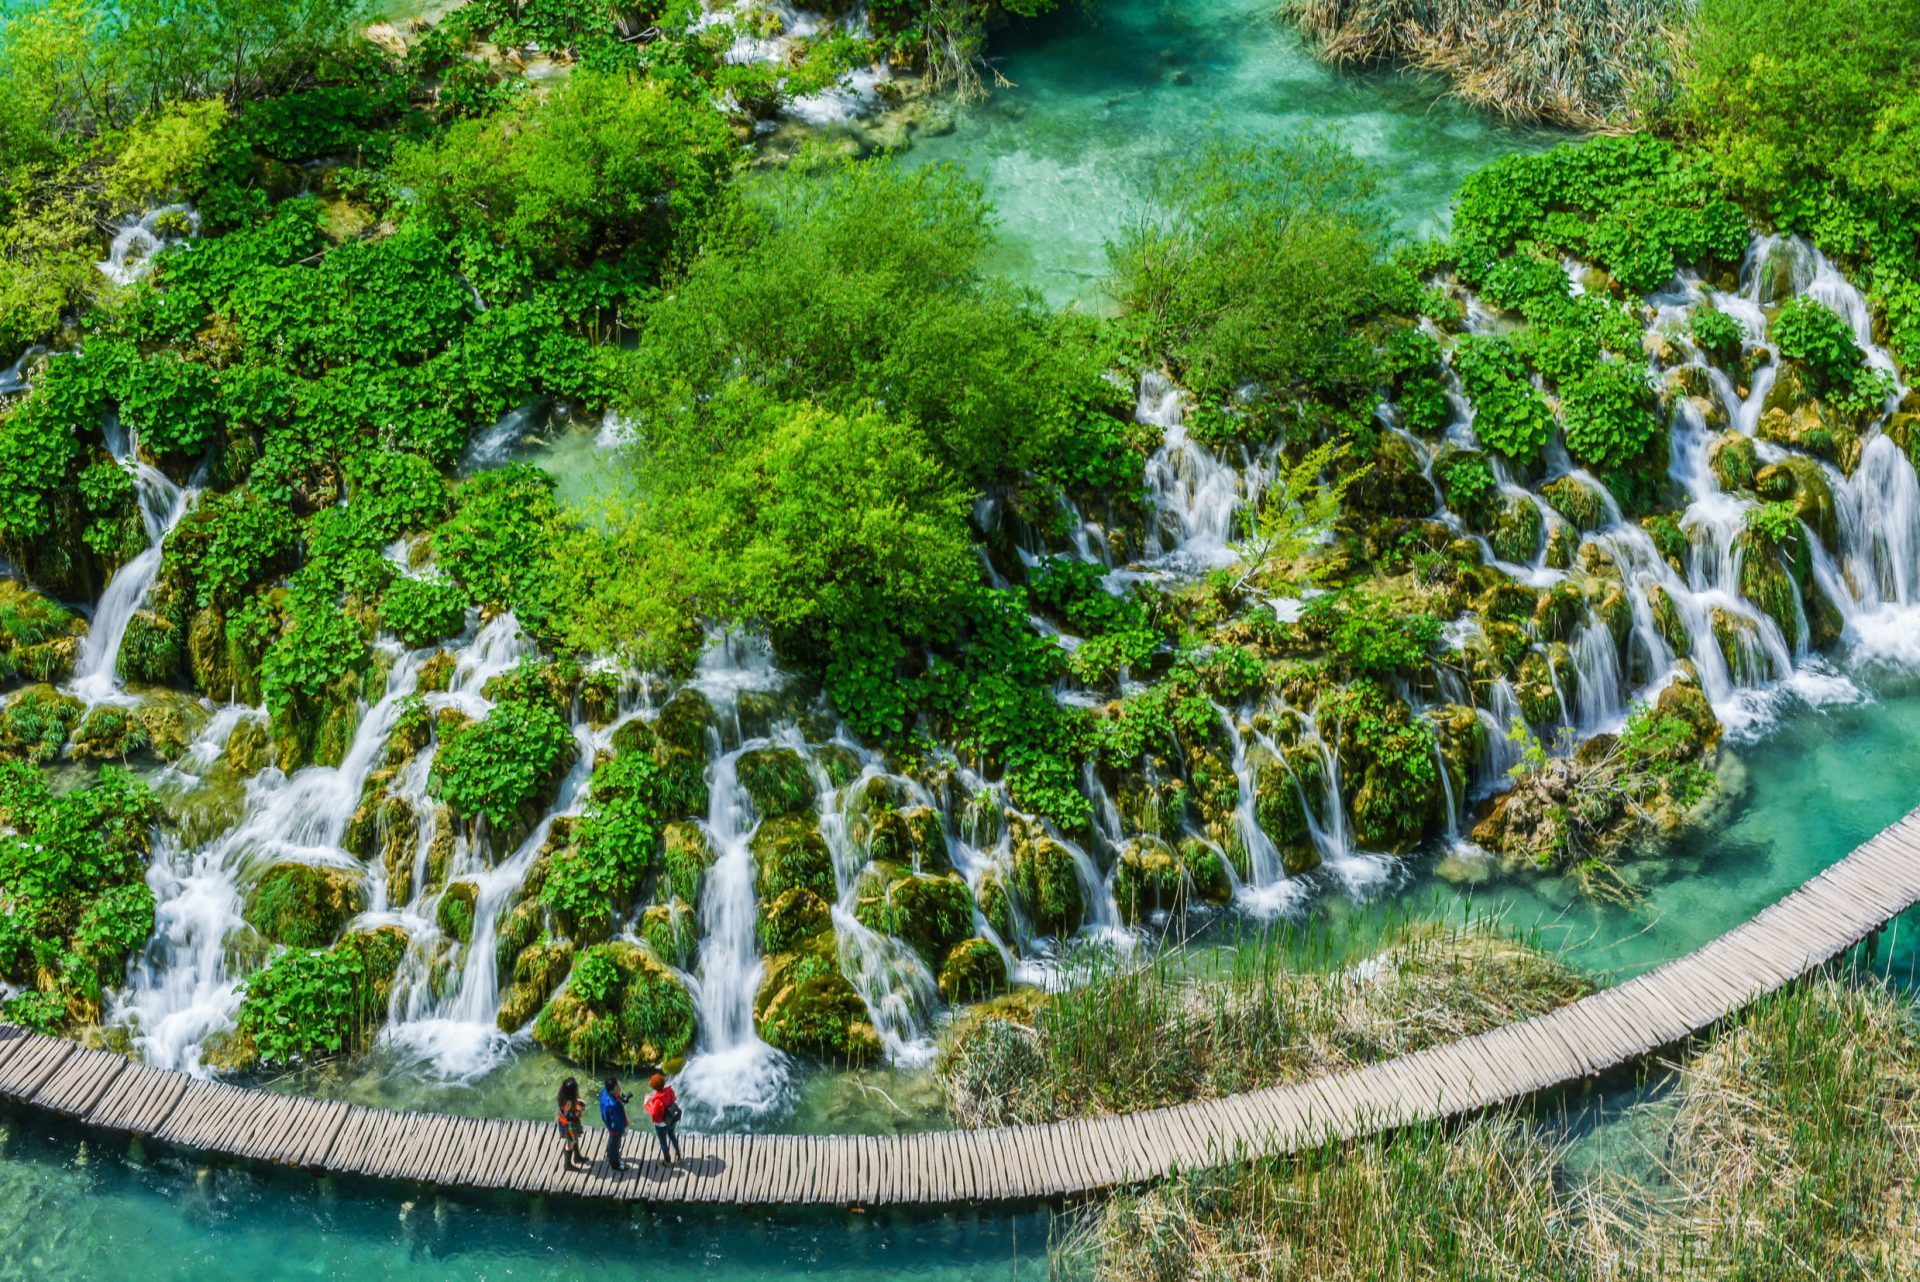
pixel 673 1113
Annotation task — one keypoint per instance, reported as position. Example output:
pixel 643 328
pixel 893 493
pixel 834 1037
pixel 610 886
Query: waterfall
pixel 162 504
pixel 136 240
pixel 733 1074
pixel 1195 495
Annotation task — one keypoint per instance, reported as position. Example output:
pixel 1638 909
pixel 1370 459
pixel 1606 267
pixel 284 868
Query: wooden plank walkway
pixel 1809 927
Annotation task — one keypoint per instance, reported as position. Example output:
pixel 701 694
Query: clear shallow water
pixel 98 1209
pixel 1098 103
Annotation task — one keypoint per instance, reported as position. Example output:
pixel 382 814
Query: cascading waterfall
pixel 138 239
pixel 733 1074
pixel 162 504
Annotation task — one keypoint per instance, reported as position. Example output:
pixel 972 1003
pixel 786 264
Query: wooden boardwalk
pixel 1616 1027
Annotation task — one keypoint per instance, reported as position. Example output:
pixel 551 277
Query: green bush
pixel 1716 333
pixel 491 768
pixel 423 611
pixel 1809 331
pixel 1609 414
pixel 1509 414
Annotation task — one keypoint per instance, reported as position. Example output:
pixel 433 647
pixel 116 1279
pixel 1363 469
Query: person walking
pixel 572 1108
pixel 664 1108
pixel 613 1115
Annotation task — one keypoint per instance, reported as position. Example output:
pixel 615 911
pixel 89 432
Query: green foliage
pixel 1411 359
pixel 1716 333
pixel 229 544
pixel 307 1004
pixel 1294 516
pixel 1509 414
pixel 423 611
pixel 1256 264
pixel 1776 524
pixel 74 903
pixel 615 844
pixel 496 544
pixel 1369 635
pixel 604 168
pixel 1609 414
pixel 1635 205
pixel 1809 331
pixel 1467 483
pixel 491 768
pixel 318 646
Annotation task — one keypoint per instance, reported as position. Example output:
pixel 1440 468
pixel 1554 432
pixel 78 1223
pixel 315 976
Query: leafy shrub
pixel 1467 483
pixel 1609 414
pixel 1716 333
pixel 1509 414
pixel 496 543
pixel 490 768
pixel 1809 331
pixel 306 1004
pixel 423 611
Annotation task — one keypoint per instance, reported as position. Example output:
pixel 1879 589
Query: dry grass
pixel 1591 64
pixel 1131 1037
pixel 1786 1151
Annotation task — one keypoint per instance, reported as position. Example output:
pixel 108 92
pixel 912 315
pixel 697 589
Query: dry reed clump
pixel 1792 1142
pixel 1478 1203
pixel 1127 1038
pixel 1787 1150
pixel 1591 64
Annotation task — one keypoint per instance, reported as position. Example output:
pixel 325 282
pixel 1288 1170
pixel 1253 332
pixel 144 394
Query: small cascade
pixel 137 240
pixel 183 986
pixel 13 379
pixel 455 1033
pixel 494 446
pixel 1196 495
pixel 733 1074
pixel 162 504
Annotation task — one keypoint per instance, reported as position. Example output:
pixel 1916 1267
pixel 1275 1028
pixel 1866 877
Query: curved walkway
pixel 1811 926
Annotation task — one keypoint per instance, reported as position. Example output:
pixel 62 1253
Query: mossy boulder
pixel 1688 703
pixel 39 639
pixel 1734 461
pixel 1558 610
pixel 996 903
pixel 152 650
pixel 1667 620
pixel 791 918
pixel 916 836
pixel 1534 687
pixel 1802 482
pixel 1768 580
pixel 1148 877
pixel 537 971
pixel 778 780
pixel 930 913
pixel 455 910
pixel 685 857
pixel 1462 737
pixel 790 852
pixel 1515 533
pixel 1282 792
pixel 1738 638
pixel 672 931
pixel 1579 503
pixel 1207 870
pixel 108 732
pixel 1813 428
pixel 248 749
pixel 805 1006
pixel 1394 484
pixel 621 1008
pixel 1046 884
pixel 173 721
pixel 35 723
pixel 973 971
pixel 305 905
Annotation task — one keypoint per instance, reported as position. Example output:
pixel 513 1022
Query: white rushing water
pixel 1682 615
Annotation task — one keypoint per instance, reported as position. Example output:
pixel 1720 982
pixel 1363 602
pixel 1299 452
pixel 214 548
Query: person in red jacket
pixel 664 1109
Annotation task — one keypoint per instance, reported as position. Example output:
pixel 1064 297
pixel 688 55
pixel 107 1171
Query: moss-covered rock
pixel 790 852
pixel 1394 484
pixel 455 910
pixel 1534 687
pixel 173 721
pixel 1558 610
pixel 1734 461
pixel 1046 883
pixel 1580 504
pixel 973 971
pixel 152 650
pixel 916 837
pixel 1767 580
pixel 108 732
pixel 436 673
pixel 778 780
pixel 1282 790
pixel 621 1008
pixel 791 918
pixel 1515 533
pixel 305 905
pixel 1816 429
pixel 672 931
pixel 686 855
pixel 248 749
pixel 1208 871
pixel 537 971
pixel 1802 482
pixel 35 723
pixel 39 639
pixel 930 913
pixel 1739 641
pixel 805 1006
pixel 1148 877
pixel 1667 620
pixel 996 903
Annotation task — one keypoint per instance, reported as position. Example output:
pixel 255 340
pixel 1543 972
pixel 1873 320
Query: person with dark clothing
pixel 613 1115
pixel 571 1108
pixel 664 1110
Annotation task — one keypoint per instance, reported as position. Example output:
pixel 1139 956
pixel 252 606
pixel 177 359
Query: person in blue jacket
pixel 613 1115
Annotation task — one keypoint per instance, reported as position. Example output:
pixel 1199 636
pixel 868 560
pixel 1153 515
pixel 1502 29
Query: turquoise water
pixel 82 1210
pixel 1099 101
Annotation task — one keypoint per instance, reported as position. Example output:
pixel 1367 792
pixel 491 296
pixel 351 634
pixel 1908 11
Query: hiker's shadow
pixel 704 1167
